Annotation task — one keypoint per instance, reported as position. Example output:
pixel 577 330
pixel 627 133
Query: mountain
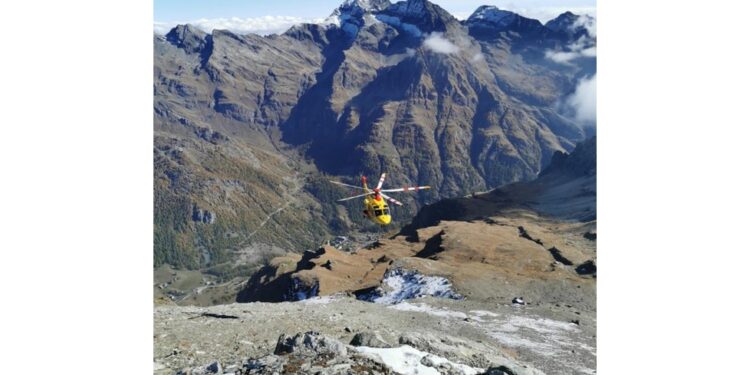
pixel 572 25
pixel 490 19
pixel 565 190
pixel 248 128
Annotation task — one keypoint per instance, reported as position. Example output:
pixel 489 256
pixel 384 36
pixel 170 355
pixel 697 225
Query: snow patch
pixel 370 20
pixel 488 14
pixel 353 14
pixel 408 360
pixel 299 291
pixel 483 313
pixel 399 285
pixel 540 335
pixel 427 309
pixel 324 300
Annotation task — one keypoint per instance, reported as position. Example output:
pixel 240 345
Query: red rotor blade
pixel 391 200
pixel 380 183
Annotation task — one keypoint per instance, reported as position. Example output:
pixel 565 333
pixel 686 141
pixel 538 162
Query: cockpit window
pixel 386 211
pixel 378 212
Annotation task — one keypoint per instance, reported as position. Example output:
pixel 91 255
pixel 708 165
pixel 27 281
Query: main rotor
pixel 378 191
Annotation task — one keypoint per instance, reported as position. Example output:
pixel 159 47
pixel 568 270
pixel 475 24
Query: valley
pixel 259 270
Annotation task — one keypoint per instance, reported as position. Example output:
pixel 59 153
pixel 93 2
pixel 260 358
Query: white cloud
pixel 545 14
pixel 585 46
pixel 589 52
pixel 540 10
pixel 477 57
pixel 561 56
pixel 565 57
pixel 583 101
pixel 257 25
pixel 589 23
pixel 437 43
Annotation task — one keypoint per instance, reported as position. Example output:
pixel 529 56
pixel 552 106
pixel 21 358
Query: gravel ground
pixel 528 339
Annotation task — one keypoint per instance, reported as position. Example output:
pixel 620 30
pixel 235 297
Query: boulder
pixel 371 339
pixel 499 370
pixel 586 268
pixel 309 343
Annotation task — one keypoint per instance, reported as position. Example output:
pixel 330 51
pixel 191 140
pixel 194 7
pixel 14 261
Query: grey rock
pixel 309 343
pixel 214 368
pixel 499 370
pixel 371 339
pixel 313 353
pixel 586 268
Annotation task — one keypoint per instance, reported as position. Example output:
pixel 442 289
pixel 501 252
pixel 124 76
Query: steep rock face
pixel 245 124
pixel 579 163
pixel 217 100
pixel 427 116
pixel 566 189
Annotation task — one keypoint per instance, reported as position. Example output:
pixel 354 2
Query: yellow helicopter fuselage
pixel 376 200
pixel 376 209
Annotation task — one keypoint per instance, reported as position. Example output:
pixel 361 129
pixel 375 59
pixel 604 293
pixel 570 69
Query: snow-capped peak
pixel 365 5
pixel 355 9
pixel 492 15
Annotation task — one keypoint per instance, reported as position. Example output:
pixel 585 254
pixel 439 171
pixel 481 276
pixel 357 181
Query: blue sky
pixel 265 16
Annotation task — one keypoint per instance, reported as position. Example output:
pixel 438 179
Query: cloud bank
pixel 585 46
pixel 439 44
pixel 575 51
pixel 589 23
pixel 257 25
pixel 583 101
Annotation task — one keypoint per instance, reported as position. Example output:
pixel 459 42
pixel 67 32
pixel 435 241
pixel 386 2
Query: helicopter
pixel 376 209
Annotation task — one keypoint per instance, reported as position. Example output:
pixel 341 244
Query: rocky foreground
pixel 343 335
